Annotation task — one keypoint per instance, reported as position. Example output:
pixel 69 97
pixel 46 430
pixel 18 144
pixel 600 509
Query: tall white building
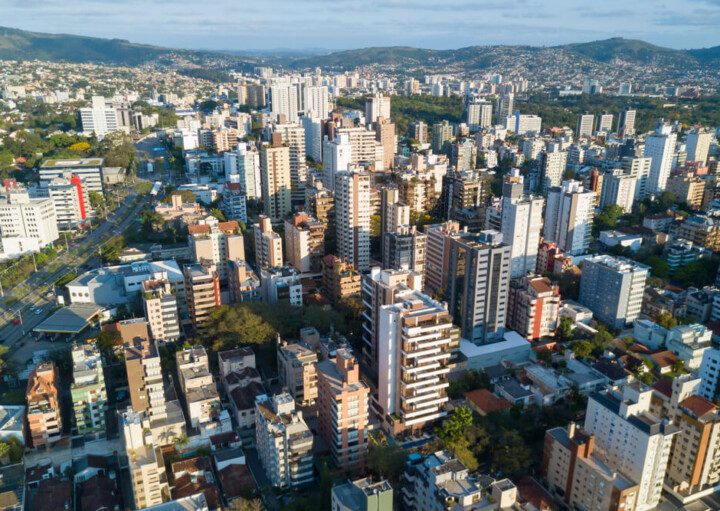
pixel 626 123
pixel 633 441
pixel 554 163
pixel 618 187
pixel 337 156
pixel 99 118
pixel 146 464
pixel 479 115
pixel 293 135
pixel 377 106
pixel 243 167
pixel 605 123
pixel 26 225
pixel 639 168
pixel 284 100
pixel 316 101
pixel 313 138
pixel 613 287
pixel 586 123
pixel 568 217
pixel 505 107
pixel 698 145
pixel 660 146
pixel 89 170
pixel 521 225
pixel 352 218
pixel 276 180
pixel 284 441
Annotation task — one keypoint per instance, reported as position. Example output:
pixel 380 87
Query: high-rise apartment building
pixel 418 131
pixel 216 242
pixel 639 168
pixel 297 373
pixel 88 392
pixel 533 307
pixel 145 462
pixel 506 107
pixel 437 255
pixel 626 123
pixel 613 287
pixel 339 278
pixel 284 441
pixel 268 244
pixel 72 207
pixel 604 123
pixel 316 101
pixel 460 190
pixel 698 145
pixel 343 410
pixel 577 474
pixel 521 224
pixel 619 189
pixel 276 179
pixel 293 135
pixel 243 167
pixel 634 442
pixel 375 107
pixel 362 494
pixel 352 218
pixel 313 137
pixel 364 146
pixel 160 304
pixel 404 249
pixel 477 285
pixel 385 135
pixel 441 132
pixel 202 292
pixel 43 405
pixel 586 123
pixel 393 212
pixel 569 216
pixel 337 157
pixel 284 100
pixel 418 339
pixel 553 168
pixel 304 243
pixel 99 118
pixel 660 146
pixel 479 115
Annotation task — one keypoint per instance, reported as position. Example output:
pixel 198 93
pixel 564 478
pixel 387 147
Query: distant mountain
pixel 18 44
pixel 631 50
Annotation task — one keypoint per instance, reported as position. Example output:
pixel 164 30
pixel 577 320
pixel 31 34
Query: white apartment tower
pixel 99 118
pixel 520 226
pixel 698 145
pixel 568 217
pixel 377 106
pixel 276 180
pixel 618 188
pixel 660 146
pixel 586 123
pixel 352 218
pixel 337 157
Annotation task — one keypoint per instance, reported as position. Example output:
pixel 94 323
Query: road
pixel 81 251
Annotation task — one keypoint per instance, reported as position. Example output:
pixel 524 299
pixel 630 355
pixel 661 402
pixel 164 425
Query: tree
pixel 666 320
pixel 234 325
pixel 608 218
pixel 241 504
pixel 582 349
pixel 182 441
pixel 565 329
pixel 455 425
pixel 97 201
pixel 510 455
pixel 107 342
pixel 386 461
pixel 218 214
pixel 658 266
pixel 470 380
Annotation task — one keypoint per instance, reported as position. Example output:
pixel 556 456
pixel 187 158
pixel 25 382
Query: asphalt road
pixel 81 251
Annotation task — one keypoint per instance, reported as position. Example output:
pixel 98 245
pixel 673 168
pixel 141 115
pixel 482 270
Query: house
pixel 484 402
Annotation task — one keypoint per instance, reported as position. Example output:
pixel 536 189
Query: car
pixel 38 312
pixel 16 321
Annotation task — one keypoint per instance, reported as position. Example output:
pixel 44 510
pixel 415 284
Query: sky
pixel 343 24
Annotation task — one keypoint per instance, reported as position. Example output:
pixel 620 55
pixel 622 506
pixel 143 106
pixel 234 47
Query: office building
pixel 569 217
pixel 160 303
pixel 404 249
pixel 352 218
pixel 145 462
pixel 613 287
pixel 99 119
pixel 521 223
pixel 87 391
pixel 268 244
pixel 477 285
pixel 26 225
pixel 698 145
pixel 418 339
pixel 42 396
pixel 284 441
pixel 297 372
pixel 362 495
pixel 212 241
pixel 304 243
pixel 533 307
pixel 634 442
pixel 660 146
pixel 577 474
pixel 343 410
pixel 202 292
pixel 337 157
pixel 276 179
pixel 89 170
pixel 72 207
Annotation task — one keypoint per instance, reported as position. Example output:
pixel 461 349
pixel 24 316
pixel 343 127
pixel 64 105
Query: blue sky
pixel 340 24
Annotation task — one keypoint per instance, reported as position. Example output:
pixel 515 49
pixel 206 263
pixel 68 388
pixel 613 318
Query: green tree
pixel 608 218
pixel 453 428
pixel 236 325
pixel 582 349
pixel 218 214
pixel 565 329
pixel 470 380
pixel 386 461
pixel 510 454
pixel 658 266
pixel 666 320
pixel 108 341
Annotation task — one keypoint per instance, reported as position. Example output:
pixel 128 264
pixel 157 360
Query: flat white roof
pixel 511 340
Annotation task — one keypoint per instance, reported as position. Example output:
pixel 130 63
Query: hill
pixel 18 44
pixel 630 50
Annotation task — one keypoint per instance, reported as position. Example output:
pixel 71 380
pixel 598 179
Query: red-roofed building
pixel 484 402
